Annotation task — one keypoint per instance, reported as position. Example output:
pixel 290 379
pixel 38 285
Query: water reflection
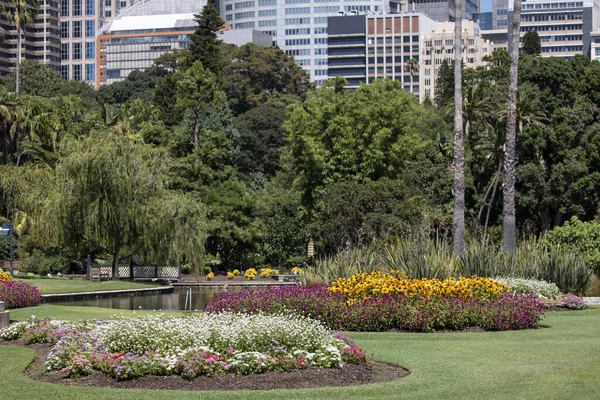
pixel 166 302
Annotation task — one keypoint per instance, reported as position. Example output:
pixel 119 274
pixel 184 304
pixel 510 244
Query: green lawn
pixel 559 362
pixel 64 285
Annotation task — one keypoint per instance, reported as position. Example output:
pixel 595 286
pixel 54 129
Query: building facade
pixel 299 27
pixel 79 21
pixel 40 41
pixel 439 46
pixel 595 46
pixel 366 47
pixel 437 10
pixel 500 15
pixel 564 27
pixel 138 35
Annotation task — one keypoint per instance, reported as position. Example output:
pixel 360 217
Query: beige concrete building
pixel 40 42
pixel 439 46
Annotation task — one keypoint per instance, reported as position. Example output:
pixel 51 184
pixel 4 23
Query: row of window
pixel 546 6
pixel 90 72
pixel 552 17
pixel 391 60
pixel 90 51
pixel 396 49
pixel 549 28
pixel 90 29
pixel 305 52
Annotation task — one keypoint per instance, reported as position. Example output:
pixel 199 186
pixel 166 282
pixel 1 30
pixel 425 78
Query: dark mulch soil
pixel 309 378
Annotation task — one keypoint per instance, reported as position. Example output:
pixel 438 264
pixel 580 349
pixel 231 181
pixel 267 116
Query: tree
pixel 205 46
pixel 458 166
pixel 107 195
pixel 444 84
pixel 510 156
pixel 532 44
pixel 412 67
pixel 365 134
pixel 252 74
pixel 197 89
pixel 20 13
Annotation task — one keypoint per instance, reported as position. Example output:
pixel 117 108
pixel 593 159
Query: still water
pixel 164 302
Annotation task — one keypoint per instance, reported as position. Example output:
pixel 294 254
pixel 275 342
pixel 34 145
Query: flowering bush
pixel 418 314
pixel 210 276
pixel 533 287
pixel 235 272
pixel 297 271
pixel 250 274
pixel 267 272
pixel 4 277
pixel 568 300
pixel 230 275
pixel 207 344
pixel 376 284
pixel 19 294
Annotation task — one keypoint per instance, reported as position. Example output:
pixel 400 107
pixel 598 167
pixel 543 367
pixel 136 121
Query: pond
pixel 165 302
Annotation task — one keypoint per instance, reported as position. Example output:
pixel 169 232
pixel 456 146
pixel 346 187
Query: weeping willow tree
pixel 107 194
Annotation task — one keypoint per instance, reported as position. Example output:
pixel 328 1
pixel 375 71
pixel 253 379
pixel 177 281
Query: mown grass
pixel 64 285
pixel 558 362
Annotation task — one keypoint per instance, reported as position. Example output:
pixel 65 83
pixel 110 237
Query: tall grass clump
pixel 344 264
pixel 419 257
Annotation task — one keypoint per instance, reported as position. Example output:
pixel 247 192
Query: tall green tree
pixel 458 166
pixel 532 44
pixel 107 195
pixel 444 85
pixel 20 13
pixel 510 146
pixel 197 89
pixel 205 46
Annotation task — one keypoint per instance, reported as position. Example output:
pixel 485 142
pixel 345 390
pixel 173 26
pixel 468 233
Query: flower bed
pixel 376 284
pixel 548 293
pixel 19 294
pixel 418 314
pixel 203 345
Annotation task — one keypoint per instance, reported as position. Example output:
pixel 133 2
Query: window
pixel 76 29
pixel 267 13
pixel 64 29
pixel 77 51
pixel 262 3
pixel 90 50
pixel 108 3
pixel 244 4
pixel 229 7
pixel 297 21
pixel 90 7
pixel 76 8
pixel 320 30
pixel 90 72
pixel 269 22
pixel 64 9
pixel 298 10
pixel 113 73
pixel 297 42
pixel 244 25
pixel 64 51
pixel 107 13
pixel 77 72
pixel 297 31
pixel 90 30
pixel 243 15
pixel 321 40
pixel 64 71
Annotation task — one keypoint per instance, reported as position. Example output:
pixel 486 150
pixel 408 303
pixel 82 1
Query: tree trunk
pixel 510 156
pixel 18 58
pixel 196 128
pixel 458 186
pixel 487 217
pixel 116 251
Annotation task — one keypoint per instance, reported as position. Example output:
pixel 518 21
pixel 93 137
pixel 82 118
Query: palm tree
pixel 412 67
pixel 20 13
pixel 510 156
pixel 458 186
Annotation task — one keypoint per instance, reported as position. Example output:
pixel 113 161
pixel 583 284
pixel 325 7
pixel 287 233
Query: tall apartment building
pixel 299 27
pixel 439 46
pixel 40 41
pixel 564 26
pixel 366 47
pixel 437 10
pixel 79 21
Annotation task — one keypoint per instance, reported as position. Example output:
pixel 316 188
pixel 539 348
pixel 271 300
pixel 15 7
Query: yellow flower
pixel 210 276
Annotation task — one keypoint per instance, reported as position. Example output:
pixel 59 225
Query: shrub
pixel 230 275
pixel 580 237
pixel 43 264
pixel 532 287
pixel 297 271
pixel 19 294
pixel 186 269
pixel 267 272
pixel 417 314
pixel 210 275
pixel 235 272
pixel 250 274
